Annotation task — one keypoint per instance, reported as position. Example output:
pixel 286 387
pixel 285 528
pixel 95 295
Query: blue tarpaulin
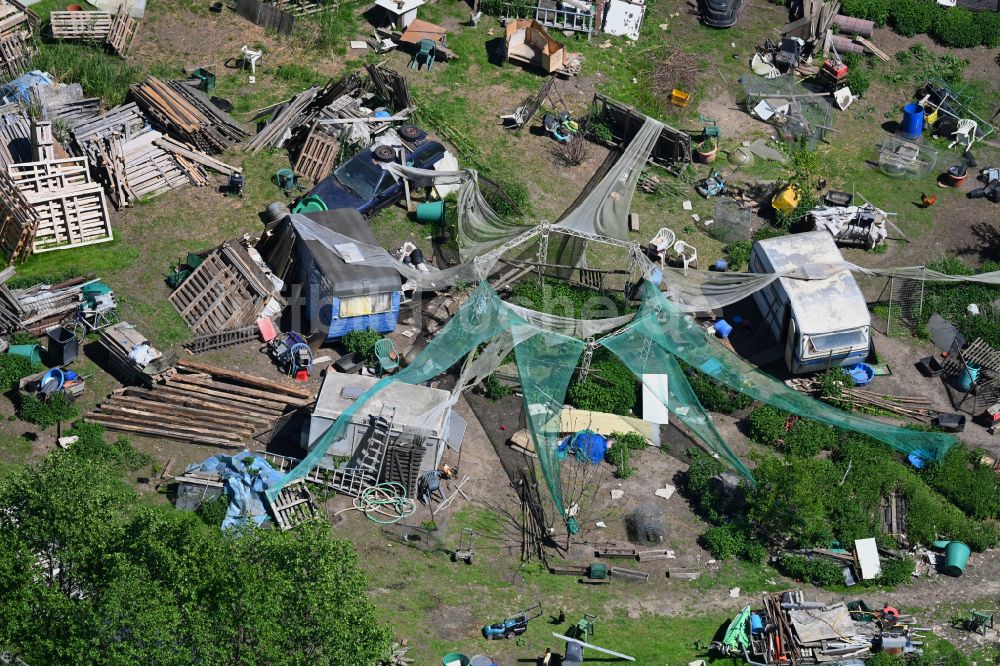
pixel 17 90
pixel 586 445
pixel 246 476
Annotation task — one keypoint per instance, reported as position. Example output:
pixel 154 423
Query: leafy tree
pixel 362 342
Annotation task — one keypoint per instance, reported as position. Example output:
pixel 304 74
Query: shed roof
pixel 412 402
pixel 820 306
pixel 354 279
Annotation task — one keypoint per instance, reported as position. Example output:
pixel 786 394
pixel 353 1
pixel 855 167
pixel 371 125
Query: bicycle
pixel 86 320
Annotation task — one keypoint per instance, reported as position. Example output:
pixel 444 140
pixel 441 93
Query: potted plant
pixel 706 151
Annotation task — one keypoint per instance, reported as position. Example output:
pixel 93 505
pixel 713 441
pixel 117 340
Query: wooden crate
pixel 80 25
pixel 317 155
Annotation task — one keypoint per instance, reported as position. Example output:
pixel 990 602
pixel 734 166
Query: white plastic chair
pixel 966 132
pixel 662 242
pixel 251 57
pixel 687 254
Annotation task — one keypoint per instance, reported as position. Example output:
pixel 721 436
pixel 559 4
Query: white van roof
pixel 820 306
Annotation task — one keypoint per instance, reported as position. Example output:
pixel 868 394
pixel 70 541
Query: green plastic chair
pixel 287 181
pixel 428 50
pixel 388 359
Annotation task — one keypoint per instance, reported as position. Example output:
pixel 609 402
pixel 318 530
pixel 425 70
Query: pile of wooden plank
pixel 301 110
pixel 17 45
pixel 70 209
pixel 18 222
pixel 202 403
pixel 80 25
pixel 11 311
pixel 228 290
pixel 187 114
pixel 44 307
pixel 130 356
pixel 15 142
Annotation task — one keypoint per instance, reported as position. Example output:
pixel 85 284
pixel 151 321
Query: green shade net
pixel 679 335
pixel 643 357
pixel 546 362
pixel 649 345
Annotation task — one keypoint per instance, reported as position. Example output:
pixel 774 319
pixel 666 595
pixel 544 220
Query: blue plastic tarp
pixel 586 445
pixel 246 477
pixel 17 90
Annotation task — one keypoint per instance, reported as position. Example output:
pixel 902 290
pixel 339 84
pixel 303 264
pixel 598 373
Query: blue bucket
pixel 969 375
pixel 722 328
pixel 913 120
pixel 862 373
pixel 721 265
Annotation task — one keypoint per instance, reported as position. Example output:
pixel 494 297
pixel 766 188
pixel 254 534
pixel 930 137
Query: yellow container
pixel 786 200
pixel 679 97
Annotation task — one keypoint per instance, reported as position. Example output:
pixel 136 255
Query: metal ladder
pixel 354 480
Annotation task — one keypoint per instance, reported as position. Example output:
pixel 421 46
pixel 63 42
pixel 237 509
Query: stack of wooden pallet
pixel 226 291
pixel 17 46
pixel 70 209
pixel 80 25
pixel 187 114
pixel 202 403
pixel 132 359
pixel 11 311
pixel 19 221
pixel 135 161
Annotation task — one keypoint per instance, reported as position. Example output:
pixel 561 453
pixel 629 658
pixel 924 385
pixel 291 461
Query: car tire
pixel 384 154
pixel 411 133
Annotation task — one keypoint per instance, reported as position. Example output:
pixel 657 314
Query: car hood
pixel 334 195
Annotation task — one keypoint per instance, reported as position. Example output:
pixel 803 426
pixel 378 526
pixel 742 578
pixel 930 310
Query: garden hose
pixel 384 499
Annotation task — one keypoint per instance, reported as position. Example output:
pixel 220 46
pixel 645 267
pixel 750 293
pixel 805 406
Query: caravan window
pixel 358 306
pixel 831 342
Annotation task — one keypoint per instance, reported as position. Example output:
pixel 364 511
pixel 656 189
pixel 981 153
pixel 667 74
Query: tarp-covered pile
pixel 246 476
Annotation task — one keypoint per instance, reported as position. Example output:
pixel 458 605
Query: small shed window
pixel 357 306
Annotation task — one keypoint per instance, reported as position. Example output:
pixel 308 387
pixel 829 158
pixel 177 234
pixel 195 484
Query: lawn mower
pixel 560 127
pixel 514 625
pixel 714 185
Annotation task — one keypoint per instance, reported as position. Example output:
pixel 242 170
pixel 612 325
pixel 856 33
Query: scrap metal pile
pixel 790 630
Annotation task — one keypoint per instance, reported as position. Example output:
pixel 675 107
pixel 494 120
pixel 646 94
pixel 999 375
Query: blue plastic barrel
pixel 722 328
pixel 913 120
pixel 965 379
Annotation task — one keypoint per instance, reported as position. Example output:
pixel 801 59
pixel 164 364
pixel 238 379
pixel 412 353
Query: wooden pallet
pixel 403 464
pixel 317 155
pixel 19 222
pixel 47 176
pixel 227 291
pixel 42 143
pixel 204 343
pixel 15 17
pixel 122 32
pixel 80 25
pixel 16 51
pixel 293 506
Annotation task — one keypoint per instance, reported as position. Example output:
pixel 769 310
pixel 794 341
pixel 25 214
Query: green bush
pixel 807 438
pixel 884 659
pixel 895 571
pixel 568 300
pixel 739 255
pixel 951 301
pixel 859 77
pixel 13 368
pixel 989 23
pixel 819 571
pixel 698 485
pixel 517 202
pixel 912 17
pixel 494 389
pixel 23 338
pixel 43 414
pixel 714 395
pixel 967 483
pixel 725 542
pixel 92 446
pixel 619 453
pixel 767 425
pixel 213 512
pixel 362 342
pixel 873 10
pixel 610 386
pixel 958 28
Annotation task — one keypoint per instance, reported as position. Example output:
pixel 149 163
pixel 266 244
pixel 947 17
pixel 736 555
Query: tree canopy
pixel 90 574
